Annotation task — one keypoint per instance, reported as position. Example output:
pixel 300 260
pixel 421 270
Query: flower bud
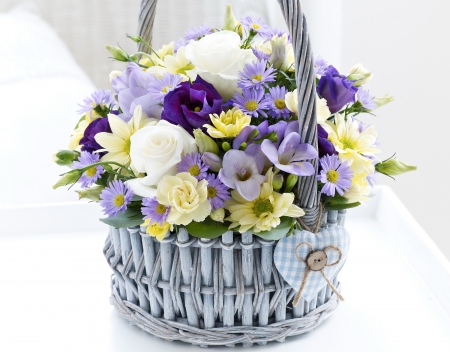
pixel 205 143
pixel 386 99
pixel 243 146
pixel 218 215
pixel 278 58
pixel 117 53
pixel 291 181
pixel 65 157
pixel 277 182
pixel 226 146
pixel 230 22
pixel 394 167
pixel 360 75
pixel 135 38
pixel 213 161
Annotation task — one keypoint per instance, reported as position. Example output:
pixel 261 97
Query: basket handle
pixel 306 194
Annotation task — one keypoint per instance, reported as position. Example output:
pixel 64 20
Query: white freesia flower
pixel 156 150
pixel 218 58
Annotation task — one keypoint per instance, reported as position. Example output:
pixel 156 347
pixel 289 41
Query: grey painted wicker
pixel 224 291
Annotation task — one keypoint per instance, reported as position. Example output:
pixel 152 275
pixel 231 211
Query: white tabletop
pixel 54 293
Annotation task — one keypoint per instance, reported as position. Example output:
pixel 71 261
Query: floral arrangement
pixel 203 134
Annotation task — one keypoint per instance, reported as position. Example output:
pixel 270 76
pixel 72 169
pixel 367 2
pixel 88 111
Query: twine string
pixel 318 222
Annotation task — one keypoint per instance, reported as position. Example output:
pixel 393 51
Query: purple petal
pixel 269 149
pixel 291 141
pixel 248 189
pixel 304 151
pixel 254 150
pixel 242 136
pixel 292 127
pixel 298 168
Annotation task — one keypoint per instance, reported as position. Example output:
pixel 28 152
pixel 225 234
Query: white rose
pixel 218 58
pixel 156 150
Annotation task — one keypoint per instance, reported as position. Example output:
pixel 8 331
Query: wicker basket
pixel 224 291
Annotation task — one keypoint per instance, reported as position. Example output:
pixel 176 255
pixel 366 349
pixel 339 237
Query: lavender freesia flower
pixel 290 155
pixel 325 146
pixel 256 75
pixel 278 107
pixel 90 176
pixel 154 211
pixel 364 97
pixel 190 105
pixel 160 87
pixel 252 102
pixel 334 175
pixel 100 97
pixel 131 87
pixel 88 142
pixel 194 165
pixel 241 172
pixel 217 192
pixel 336 89
pixel 115 198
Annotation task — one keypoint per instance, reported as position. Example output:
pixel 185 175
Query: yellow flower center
pixel 256 26
pixel 91 172
pixel 194 170
pixel 251 105
pixel 119 200
pixel 332 176
pixel 93 104
pixel 160 209
pixel 212 192
pixel 197 109
pixel 280 104
pixel 127 146
pixel 262 206
pixel 166 89
pixel 258 77
pixel 348 144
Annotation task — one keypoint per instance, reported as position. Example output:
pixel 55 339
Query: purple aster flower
pixel 154 211
pixel 179 44
pixel 217 192
pixel 279 33
pixel 241 172
pixel 320 65
pixel 160 87
pixel 278 106
pixel 252 102
pixel 101 97
pixel 256 75
pixel 115 198
pixel 195 33
pixel 256 25
pixel 131 88
pixel 290 155
pixel 193 164
pixel 364 97
pixel 334 175
pixel 260 55
pixel 325 146
pixel 190 105
pixel 336 89
pixel 90 176
pixel 88 142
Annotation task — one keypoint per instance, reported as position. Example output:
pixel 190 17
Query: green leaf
pixel 92 193
pixel 342 206
pixel 207 228
pixel 126 219
pixel 68 179
pixel 277 233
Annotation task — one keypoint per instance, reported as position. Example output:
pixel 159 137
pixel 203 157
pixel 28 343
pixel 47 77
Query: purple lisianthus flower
pixel 100 97
pixel 334 175
pixel 256 75
pixel 336 89
pixel 252 102
pixel 217 192
pixel 325 146
pixel 256 25
pixel 154 211
pixel 88 142
pixel 90 176
pixel 364 97
pixel 320 65
pixel 131 88
pixel 194 165
pixel 160 87
pixel 278 107
pixel 241 172
pixel 115 198
pixel 190 105
pixel 195 33
pixel 290 155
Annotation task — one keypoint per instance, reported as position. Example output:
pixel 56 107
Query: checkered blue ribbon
pixel 301 244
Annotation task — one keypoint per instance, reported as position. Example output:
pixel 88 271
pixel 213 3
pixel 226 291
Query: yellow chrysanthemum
pixel 229 124
pixel 117 144
pixel 167 49
pixel 353 146
pixel 263 213
pixel 359 190
pixel 156 230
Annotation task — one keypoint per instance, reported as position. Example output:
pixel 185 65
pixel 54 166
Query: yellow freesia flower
pixel 175 64
pixel 77 134
pixel 117 144
pixel 359 190
pixel 263 213
pixel 228 125
pixel 156 230
pixel 167 49
pixel 353 146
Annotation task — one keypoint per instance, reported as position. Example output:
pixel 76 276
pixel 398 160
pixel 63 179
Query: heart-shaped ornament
pixel 316 255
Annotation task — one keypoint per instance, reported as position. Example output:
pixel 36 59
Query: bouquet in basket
pixel 203 134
